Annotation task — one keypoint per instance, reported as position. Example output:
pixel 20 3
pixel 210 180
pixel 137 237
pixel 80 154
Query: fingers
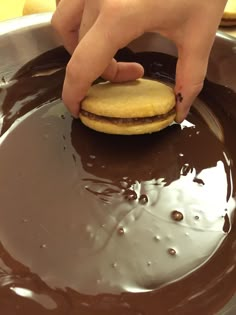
pixel 89 61
pixel 92 58
pixel 190 74
pixel 192 67
pixel 89 17
pixel 66 21
pixel 115 72
pixel 100 36
pixel 123 71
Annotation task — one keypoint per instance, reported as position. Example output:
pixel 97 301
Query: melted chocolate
pixel 100 224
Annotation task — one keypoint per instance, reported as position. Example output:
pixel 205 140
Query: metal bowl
pixel 24 39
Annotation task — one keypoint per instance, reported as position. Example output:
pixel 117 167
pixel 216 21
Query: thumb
pixel 190 72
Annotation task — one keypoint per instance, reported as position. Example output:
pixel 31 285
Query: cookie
pixel 39 6
pixel 229 16
pixel 137 107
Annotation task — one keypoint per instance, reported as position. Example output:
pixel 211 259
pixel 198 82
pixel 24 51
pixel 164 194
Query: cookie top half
pixel 136 99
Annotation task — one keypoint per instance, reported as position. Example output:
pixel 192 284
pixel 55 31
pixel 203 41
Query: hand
pixel 93 30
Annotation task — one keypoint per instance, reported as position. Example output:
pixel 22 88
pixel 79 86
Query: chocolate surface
pixel 91 222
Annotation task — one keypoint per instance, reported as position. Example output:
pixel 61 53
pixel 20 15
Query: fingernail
pixel 76 113
pixel 181 115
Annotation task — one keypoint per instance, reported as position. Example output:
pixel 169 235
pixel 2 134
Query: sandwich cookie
pixel 229 16
pixel 136 107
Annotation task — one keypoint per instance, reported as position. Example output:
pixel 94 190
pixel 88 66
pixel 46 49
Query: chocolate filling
pixel 128 121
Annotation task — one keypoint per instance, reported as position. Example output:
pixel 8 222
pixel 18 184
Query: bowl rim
pixel 27 21
pixel 32 20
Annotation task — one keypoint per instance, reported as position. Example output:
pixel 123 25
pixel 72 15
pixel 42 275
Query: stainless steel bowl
pixel 25 38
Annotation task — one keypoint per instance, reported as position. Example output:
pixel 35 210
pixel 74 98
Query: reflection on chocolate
pixel 28 80
pixel 88 216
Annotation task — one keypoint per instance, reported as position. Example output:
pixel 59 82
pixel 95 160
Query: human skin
pixel 94 30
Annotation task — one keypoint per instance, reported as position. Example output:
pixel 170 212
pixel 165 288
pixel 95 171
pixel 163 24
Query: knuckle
pixel 119 16
pixel 70 72
pixel 113 9
pixel 76 73
pixel 197 87
pixel 55 22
